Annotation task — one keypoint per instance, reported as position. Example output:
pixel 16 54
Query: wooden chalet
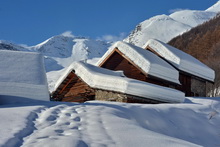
pixel 73 89
pixel 193 75
pixel 83 82
pixel 133 61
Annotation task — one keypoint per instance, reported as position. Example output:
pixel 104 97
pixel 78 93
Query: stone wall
pixel 103 95
pixel 110 96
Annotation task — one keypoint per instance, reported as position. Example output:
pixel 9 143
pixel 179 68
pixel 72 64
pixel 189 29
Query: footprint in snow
pixel 81 143
pixel 75 128
pixel 67 123
pixel 44 137
pixel 59 131
pixel 51 118
pixel 67 114
pixel 77 119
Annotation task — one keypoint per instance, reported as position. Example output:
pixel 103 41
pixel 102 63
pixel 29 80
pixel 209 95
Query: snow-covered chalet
pixel 127 73
pixel 82 82
pixel 139 64
pixel 193 74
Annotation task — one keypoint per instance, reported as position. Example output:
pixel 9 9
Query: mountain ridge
pixel 165 27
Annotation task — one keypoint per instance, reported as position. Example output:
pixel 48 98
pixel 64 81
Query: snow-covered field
pixel 192 123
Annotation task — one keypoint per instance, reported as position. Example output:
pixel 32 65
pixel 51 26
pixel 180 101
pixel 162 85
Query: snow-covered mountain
pixel 215 7
pixel 60 51
pixel 6 45
pixel 166 27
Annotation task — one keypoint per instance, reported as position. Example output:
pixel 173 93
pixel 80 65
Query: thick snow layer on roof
pixel 23 75
pixel 181 60
pixel 105 79
pixel 145 60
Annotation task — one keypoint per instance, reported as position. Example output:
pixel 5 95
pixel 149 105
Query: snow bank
pixel 15 119
pixel 101 78
pixel 181 60
pixel 23 75
pixel 145 60
pixel 194 123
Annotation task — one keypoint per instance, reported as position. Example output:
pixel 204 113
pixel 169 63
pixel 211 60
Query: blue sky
pixel 33 21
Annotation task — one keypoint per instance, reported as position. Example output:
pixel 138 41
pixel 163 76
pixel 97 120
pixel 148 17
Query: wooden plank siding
pixel 73 89
pixel 118 61
pixel 185 86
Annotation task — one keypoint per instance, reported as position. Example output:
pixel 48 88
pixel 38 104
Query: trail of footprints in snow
pixel 60 116
pixel 69 121
pixel 55 122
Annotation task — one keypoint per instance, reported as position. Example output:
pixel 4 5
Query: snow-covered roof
pixel 181 60
pixel 145 60
pixel 105 79
pixel 23 75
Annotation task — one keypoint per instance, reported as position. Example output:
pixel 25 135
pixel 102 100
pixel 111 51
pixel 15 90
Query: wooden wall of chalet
pixel 73 89
pixel 185 86
pixel 189 84
pixel 117 62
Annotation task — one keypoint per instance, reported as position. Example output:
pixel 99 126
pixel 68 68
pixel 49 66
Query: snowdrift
pixel 23 75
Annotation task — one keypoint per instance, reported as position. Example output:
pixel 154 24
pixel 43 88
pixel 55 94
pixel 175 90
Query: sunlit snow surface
pixel 166 27
pixel 193 123
pixel 23 74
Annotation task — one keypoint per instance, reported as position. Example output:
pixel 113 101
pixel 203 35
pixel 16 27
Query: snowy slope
pixel 215 7
pixel 6 45
pixel 192 124
pixel 166 27
pixel 192 18
pixel 161 27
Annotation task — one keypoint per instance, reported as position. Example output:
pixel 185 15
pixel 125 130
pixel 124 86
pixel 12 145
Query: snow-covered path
pixel 99 124
pixel 72 125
